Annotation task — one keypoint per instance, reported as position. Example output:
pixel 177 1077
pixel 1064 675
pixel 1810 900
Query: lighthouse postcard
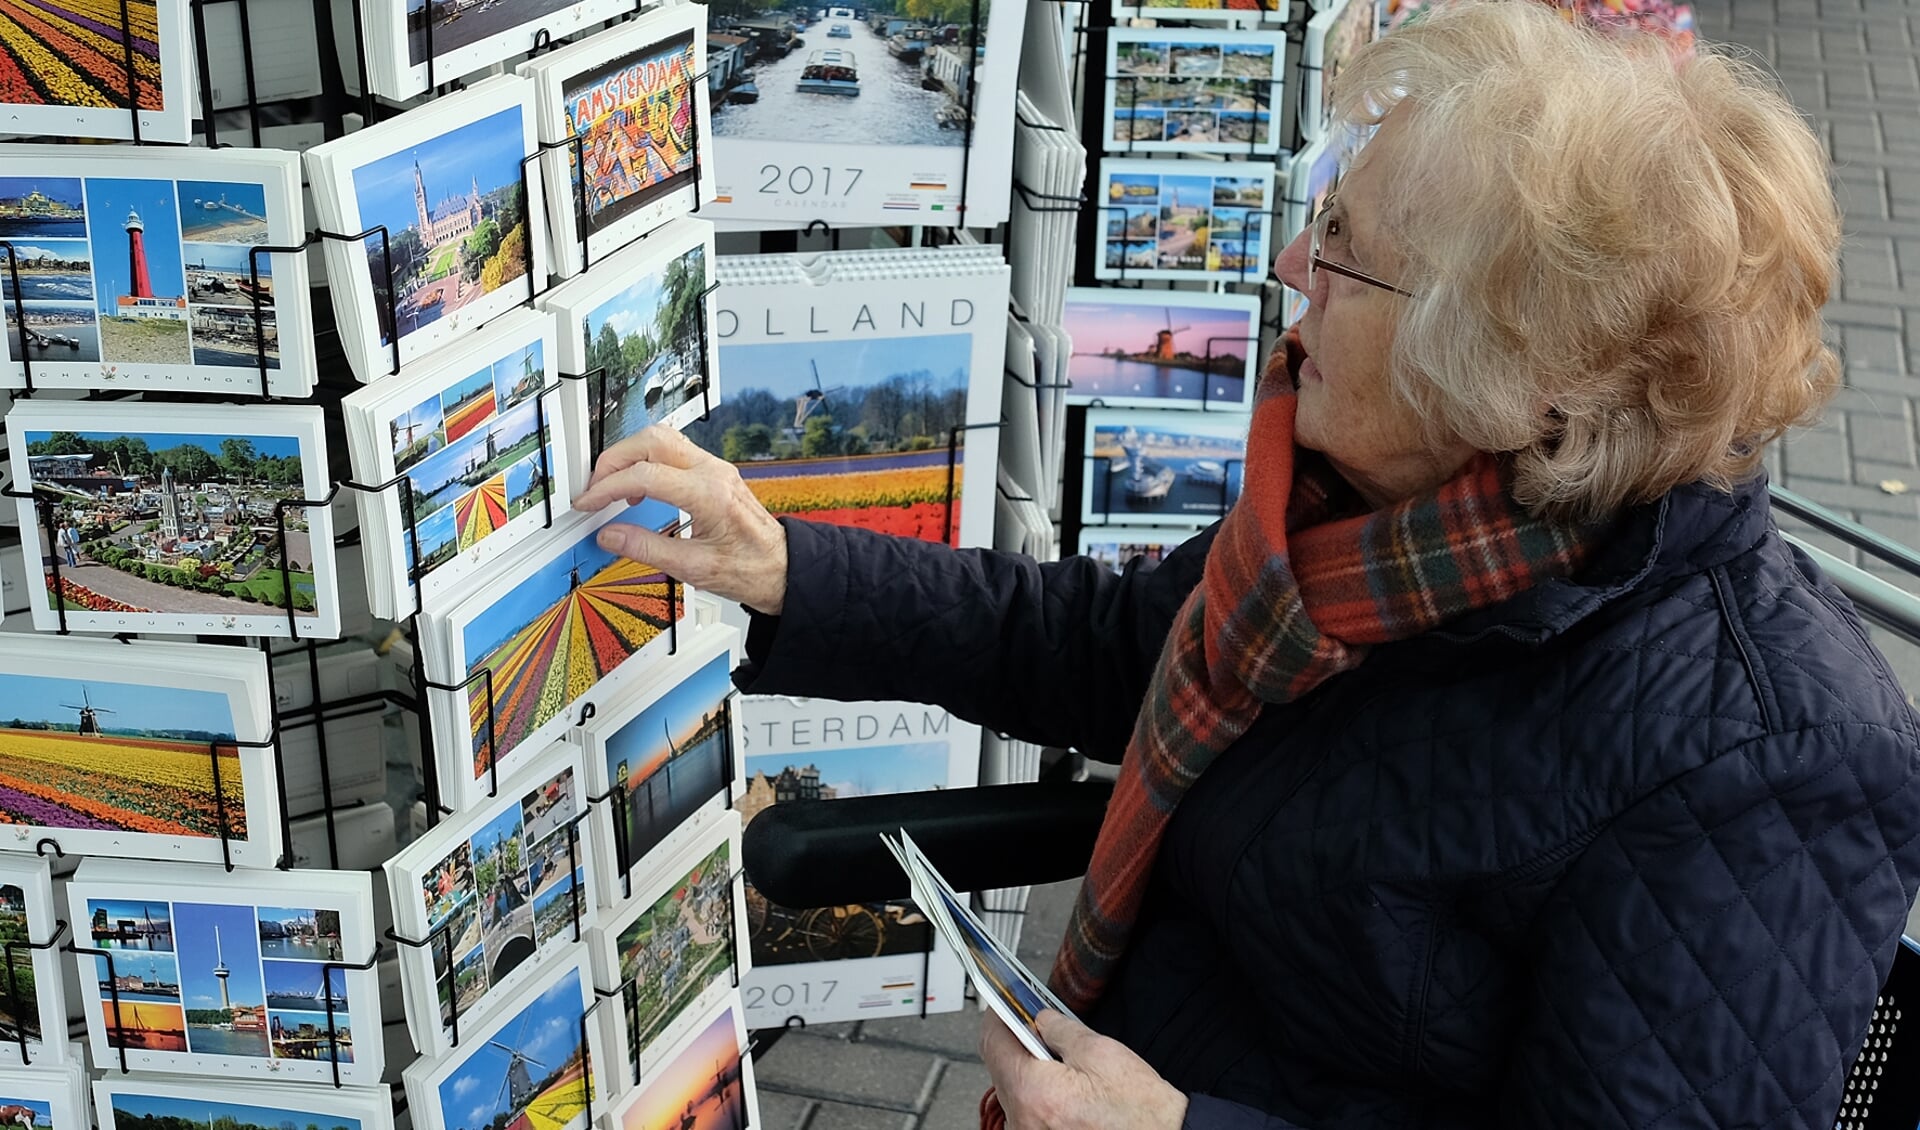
pixel 223 976
pixel 140 270
pixel 1162 348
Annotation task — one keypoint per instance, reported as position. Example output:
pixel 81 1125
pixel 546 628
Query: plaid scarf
pixel 1301 582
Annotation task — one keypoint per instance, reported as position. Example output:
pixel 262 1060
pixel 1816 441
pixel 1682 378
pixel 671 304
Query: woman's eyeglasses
pixel 1328 227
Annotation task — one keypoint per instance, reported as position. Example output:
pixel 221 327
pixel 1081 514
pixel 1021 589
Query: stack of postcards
pixel 638 340
pixel 177 518
pixel 448 214
pixel 470 456
pixel 416 47
pixel 146 269
pixel 639 80
pixel 552 630
pixel 239 976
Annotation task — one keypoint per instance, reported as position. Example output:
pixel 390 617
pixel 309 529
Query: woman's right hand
pixel 737 550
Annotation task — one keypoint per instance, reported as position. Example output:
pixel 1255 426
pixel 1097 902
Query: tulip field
pixel 566 650
pixel 62 780
pixel 907 500
pixel 481 511
pixel 69 53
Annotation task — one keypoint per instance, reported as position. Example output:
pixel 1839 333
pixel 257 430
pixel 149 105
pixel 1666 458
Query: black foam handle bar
pixel 807 853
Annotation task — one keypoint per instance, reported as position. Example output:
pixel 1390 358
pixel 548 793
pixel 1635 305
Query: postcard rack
pixel 618 794
pixel 1091 38
pixel 441 936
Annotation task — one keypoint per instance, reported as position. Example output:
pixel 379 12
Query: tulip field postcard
pixel 134 750
pixel 68 69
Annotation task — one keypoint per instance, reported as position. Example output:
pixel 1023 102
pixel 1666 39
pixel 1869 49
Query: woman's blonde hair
pixel 1620 260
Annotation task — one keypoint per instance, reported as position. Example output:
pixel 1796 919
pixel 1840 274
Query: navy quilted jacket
pixel 1633 849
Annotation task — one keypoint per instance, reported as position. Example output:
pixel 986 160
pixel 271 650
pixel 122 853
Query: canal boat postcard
pixel 556 626
pixel 463 217
pixel 707 1083
pixel 672 952
pixel 1172 219
pixel 866 394
pixel 638 330
pixel 473 891
pixel 1161 468
pixel 154 1103
pixel 136 750
pixel 636 97
pixel 176 518
pixel 666 754
pixel 536 1062
pixel 865 960
pixel 69 70
pixel 476 429
pixel 1190 91
pixel 222 974
pixel 1162 348
pixel 416 45
pixel 32 992
pixel 137 269
pixel 862 116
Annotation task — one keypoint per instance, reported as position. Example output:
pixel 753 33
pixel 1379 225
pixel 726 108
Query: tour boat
pixel 830 71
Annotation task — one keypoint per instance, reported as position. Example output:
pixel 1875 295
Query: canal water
pixel 890 109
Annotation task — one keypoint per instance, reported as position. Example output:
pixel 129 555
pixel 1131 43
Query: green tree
pixel 60 443
pixel 732 446
pixel 190 464
pixel 759 440
pixel 237 458
pixel 676 323
pixel 818 439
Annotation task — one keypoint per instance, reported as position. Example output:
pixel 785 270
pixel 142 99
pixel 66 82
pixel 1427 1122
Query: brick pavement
pixel 1850 65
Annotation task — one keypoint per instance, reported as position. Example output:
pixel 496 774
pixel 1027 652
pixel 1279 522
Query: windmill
pixel 813 401
pixel 517 1088
pixel 89 714
pixel 1163 347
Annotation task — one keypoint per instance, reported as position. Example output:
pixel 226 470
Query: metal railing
pixel 1879 601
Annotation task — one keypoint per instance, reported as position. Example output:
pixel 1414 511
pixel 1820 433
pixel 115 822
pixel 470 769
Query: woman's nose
pixel 1291 265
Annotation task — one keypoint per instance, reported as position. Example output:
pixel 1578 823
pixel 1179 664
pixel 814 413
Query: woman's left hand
pixel 1097 1085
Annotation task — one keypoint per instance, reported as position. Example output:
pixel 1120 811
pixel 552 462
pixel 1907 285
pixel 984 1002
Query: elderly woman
pixel 1494 762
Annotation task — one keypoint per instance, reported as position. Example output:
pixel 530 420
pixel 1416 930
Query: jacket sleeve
pixel 1711 959
pixel 1058 654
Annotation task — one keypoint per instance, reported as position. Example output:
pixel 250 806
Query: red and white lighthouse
pixel 142 285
